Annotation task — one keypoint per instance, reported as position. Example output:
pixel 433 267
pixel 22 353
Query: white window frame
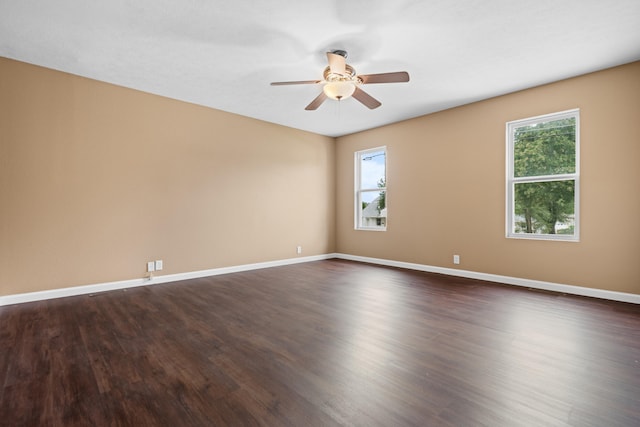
pixel 358 157
pixel 511 180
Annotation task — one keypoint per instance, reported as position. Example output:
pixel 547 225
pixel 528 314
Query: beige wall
pixel 446 186
pixel 96 179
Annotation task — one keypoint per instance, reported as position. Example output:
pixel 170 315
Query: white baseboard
pixel 528 283
pixel 110 286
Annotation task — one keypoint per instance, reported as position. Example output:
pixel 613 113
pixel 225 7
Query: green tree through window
pixel 382 198
pixel 543 175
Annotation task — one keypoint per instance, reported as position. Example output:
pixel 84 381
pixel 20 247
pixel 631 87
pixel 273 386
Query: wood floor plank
pixel 319 344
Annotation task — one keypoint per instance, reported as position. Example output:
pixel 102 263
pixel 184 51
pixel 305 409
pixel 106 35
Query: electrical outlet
pixel 151 266
pixel 159 265
pixel 299 250
pixel 456 259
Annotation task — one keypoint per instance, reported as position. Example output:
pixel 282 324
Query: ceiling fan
pixel 341 82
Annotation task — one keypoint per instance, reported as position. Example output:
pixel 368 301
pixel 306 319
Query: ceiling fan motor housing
pixel 349 74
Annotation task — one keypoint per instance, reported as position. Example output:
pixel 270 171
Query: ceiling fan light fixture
pixel 339 90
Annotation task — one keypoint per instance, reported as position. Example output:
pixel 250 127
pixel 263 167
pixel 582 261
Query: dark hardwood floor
pixel 321 344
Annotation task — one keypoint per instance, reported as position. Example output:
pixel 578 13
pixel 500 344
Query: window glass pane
pixel 373 212
pixel 544 207
pixel 372 170
pixel 546 148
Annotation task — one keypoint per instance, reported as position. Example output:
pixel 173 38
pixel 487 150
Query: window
pixel 371 189
pixel 543 177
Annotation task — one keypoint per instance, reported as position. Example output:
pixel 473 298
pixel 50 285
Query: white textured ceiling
pixel 224 54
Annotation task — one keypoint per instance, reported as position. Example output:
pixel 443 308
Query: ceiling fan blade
pixel 316 102
pixel 368 100
pixel 337 63
pixel 397 77
pixel 300 82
